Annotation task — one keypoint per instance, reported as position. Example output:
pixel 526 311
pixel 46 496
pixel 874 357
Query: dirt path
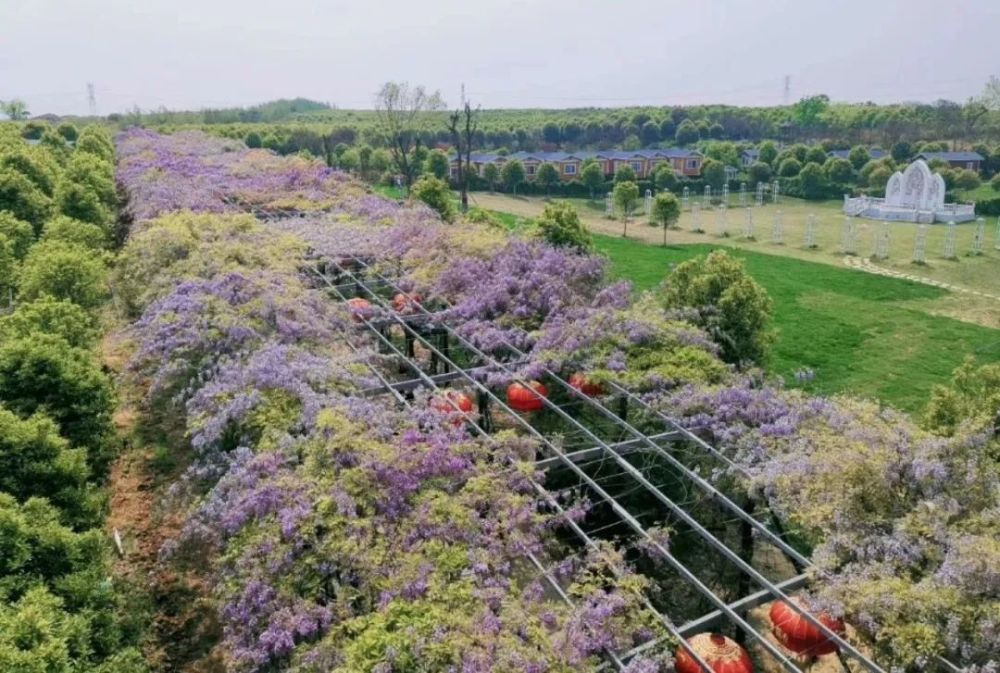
pixel 184 627
pixel 865 264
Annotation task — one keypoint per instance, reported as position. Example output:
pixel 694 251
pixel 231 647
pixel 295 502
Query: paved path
pixel 865 264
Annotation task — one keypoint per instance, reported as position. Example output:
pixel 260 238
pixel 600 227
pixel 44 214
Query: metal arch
pixel 621 511
pixel 543 493
pixel 680 512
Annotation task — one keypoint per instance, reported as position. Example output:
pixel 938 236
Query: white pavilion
pixel 915 195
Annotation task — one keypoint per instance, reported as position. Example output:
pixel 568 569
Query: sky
pixel 187 54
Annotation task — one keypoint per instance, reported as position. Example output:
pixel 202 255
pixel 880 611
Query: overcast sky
pixel 187 54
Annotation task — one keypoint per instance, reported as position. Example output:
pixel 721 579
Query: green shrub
pixel 56 317
pixel 64 271
pixel 730 305
pixel 68 230
pixel 36 165
pixel 35 460
pixel 44 373
pixel 23 199
pixel 559 225
pixel 436 194
pixel 18 232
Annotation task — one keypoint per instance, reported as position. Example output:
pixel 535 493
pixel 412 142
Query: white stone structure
pixel 915 195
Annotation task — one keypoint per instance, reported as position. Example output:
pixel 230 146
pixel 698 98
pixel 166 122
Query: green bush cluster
pixel 60 610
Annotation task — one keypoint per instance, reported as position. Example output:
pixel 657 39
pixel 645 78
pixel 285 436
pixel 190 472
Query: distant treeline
pixel 813 118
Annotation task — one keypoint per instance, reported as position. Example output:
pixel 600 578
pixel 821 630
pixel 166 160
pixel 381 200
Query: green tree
pixel 97 141
pixel 665 178
pixel 858 156
pixel 18 232
pixel 45 374
pixel 350 160
pixel 631 143
pixel 56 146
pixel 990 97
pixel 995 183
pixel 838 171
pixel 79 202
pixel 650 133
pixel 56 317
pixel 365 160
pixel 16 110
pixel 492 175
pixel 687 133
pixel 767 152
pixel 380 161
pixel 84 234
pixel 972 398
pixel 730 305
pixel 8 270
pixel 879 177
pixel 666 211
pixel 512 175
pixel 435 193
pixel 64 271
pixel 901 151
pixel 34 460
pixel 34 164
pixel 808 111
pixel 867 169
pixel 547 176
pixel 437 164
pixel 559 225
pixel 94 173
pixel 967 179
pixel 551 133
pixel 759 172
pixel 592 176
pixel 812 180
pixel 68 132
pixel 23 199
pixel 399 108
pixel 816 154
pixel 713 173
pixel 789 168
pixel 624 174
pixel 626 197
pixel 253 140
pixel 723 152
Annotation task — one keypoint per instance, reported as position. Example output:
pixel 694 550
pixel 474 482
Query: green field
pixel 861 333
pixel 980 273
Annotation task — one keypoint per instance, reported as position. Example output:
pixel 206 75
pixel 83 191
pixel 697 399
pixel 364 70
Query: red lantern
pixel 585 386
pixel 360 308
pixel 526 398
pixel 345 263
pixel 799 635
pixel 722 654
pixel 454 399
pixel 406 302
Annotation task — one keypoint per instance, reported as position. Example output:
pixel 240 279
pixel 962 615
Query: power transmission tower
pixel 463 94
pixel 788 89
pixel 91 99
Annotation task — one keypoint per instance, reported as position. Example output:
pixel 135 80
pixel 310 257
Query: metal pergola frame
pixel 359 278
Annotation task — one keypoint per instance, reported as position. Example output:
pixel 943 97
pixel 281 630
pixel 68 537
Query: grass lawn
pixel 389 191
pixel 861 333
pixel 980 272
